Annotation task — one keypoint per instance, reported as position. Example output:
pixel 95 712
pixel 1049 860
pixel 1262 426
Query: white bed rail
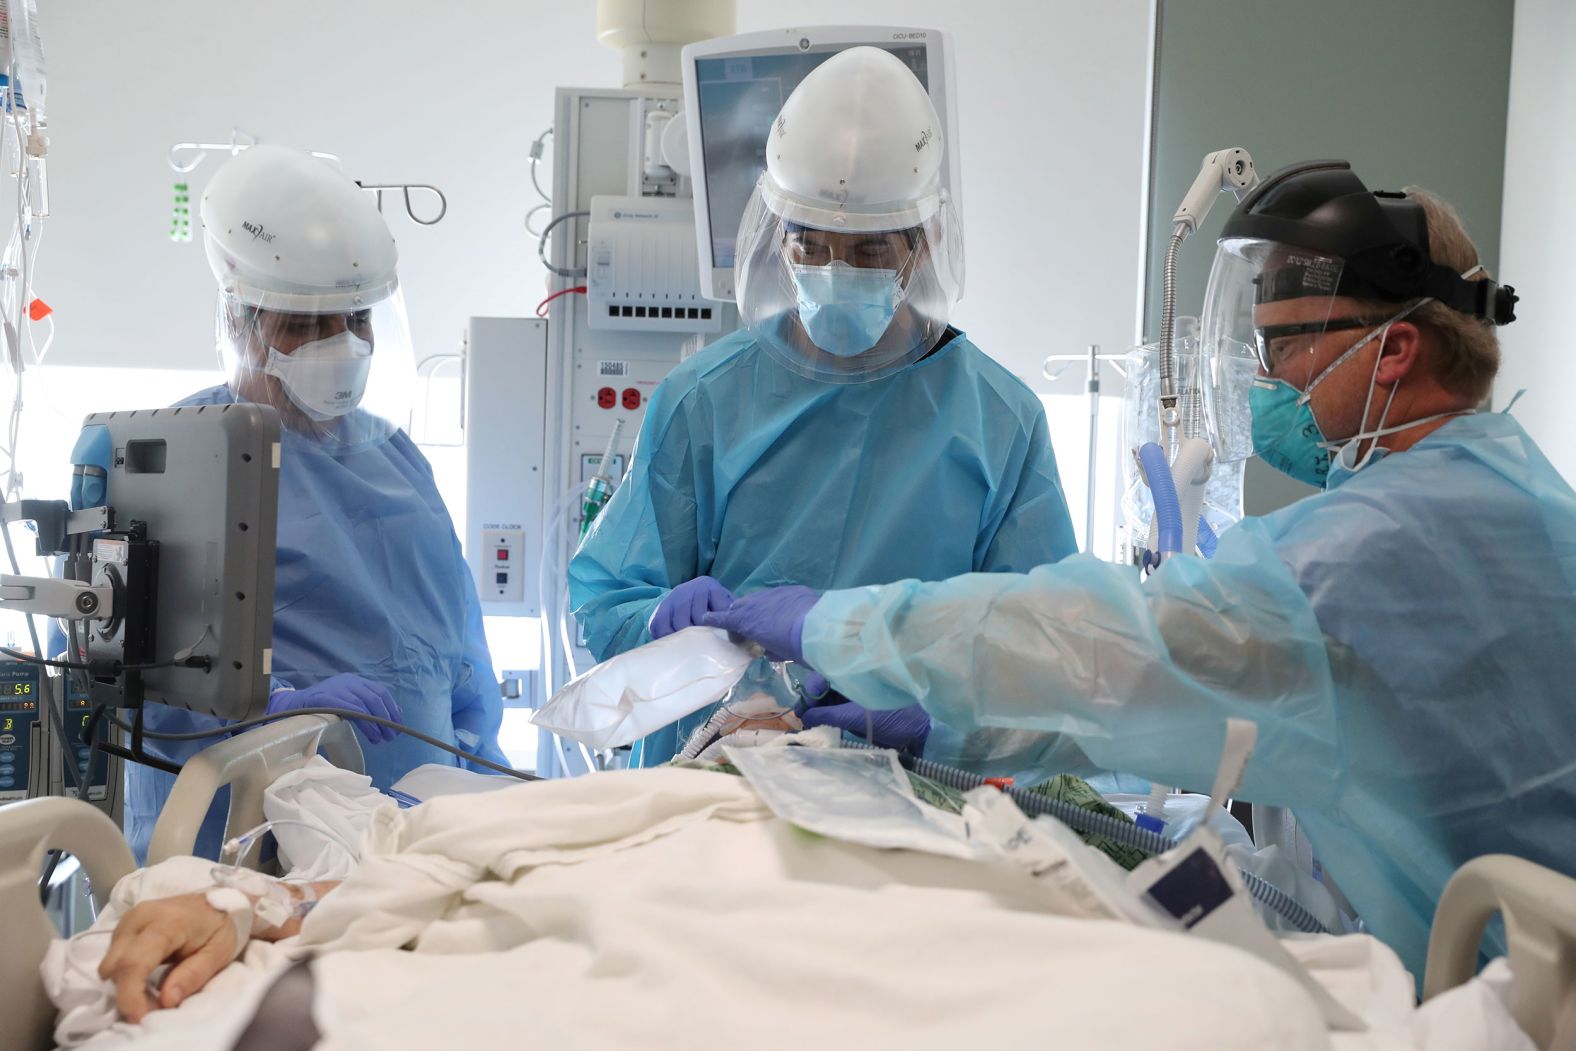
pixel 28 829
pixel 1539 907
pixel 248 762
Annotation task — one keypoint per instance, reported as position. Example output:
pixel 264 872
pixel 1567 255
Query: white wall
pixel 1538 239
pixel 1045 85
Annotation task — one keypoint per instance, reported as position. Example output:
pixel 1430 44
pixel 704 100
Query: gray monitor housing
pixel 205 480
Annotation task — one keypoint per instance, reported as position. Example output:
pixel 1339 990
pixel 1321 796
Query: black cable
pixel 28 658
pixel 341 713
pixel 141 760
pixel 136 733
pixel 49 874
pixel 205 663
pixel 136 753
pixel 93 742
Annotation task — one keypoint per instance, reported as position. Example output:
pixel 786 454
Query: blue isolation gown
pixel 1404 642
pixel 369 579
pixel 750 473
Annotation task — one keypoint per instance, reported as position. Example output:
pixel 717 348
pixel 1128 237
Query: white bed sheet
pixel 668 908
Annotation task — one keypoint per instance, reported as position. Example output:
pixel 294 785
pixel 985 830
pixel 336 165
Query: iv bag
pixel 1212 399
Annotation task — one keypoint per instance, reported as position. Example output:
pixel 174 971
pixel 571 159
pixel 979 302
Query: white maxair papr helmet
pixel 304 262
pixel 283 226
pixel 857 148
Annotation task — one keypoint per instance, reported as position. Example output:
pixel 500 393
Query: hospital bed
pixel 1539 907
pixel 246 764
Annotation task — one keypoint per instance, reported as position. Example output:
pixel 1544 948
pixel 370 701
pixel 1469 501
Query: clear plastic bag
pixel 628 696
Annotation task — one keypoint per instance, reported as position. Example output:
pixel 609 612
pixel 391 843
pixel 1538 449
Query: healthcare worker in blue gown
pixel 846 435
pixel 1403 640
pixel 374 608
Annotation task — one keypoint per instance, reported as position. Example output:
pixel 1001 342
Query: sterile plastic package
pixel 861 796
pixel 853 795
pixel 628 696
pixel 1054 855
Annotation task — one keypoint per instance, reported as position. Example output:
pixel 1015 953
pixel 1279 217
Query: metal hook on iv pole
pixel 239 140
pixel 377 192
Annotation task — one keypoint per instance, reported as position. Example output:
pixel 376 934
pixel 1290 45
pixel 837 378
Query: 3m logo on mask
pixel 346 395
pixel 782 126
pixel 257 232
pixel 924 140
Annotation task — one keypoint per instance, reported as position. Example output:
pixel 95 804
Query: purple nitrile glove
pixel 686 604
pixel 903 729
pixel 774 618
pixel 814 688
pixel 349 693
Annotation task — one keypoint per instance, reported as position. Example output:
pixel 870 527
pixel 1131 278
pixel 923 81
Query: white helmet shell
pixel 289 231
pixel 857 146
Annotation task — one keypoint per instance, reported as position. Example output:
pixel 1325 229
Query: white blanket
pixel 667 908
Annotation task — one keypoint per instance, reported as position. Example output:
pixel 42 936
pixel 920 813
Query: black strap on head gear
pixel 1381 239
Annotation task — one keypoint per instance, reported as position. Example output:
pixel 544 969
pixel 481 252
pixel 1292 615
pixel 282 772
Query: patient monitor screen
pixel 739 97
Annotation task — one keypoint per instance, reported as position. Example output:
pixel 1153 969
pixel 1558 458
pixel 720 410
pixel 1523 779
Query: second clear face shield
pixel 846 298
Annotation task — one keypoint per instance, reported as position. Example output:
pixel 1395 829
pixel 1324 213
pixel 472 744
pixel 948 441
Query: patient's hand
pixel 197 939
pixel 185 930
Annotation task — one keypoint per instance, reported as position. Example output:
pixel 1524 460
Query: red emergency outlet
pixel 606 398
pixel 631 399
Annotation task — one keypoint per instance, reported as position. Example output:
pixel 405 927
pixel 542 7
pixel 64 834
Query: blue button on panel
pixel 6 782
pixel 6 757
pixel 7 769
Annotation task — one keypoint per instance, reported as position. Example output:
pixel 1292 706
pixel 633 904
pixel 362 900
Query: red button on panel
pixel 606 398
pixel 503 554
pixel 631 398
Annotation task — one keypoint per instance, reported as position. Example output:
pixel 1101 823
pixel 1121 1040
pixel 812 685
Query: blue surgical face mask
pixel 845 309
pixel 1287 435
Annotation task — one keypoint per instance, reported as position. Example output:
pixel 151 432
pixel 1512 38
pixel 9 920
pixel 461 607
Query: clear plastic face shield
pixel 843 297
pixel 337 369
pixel 1280 308
pixel 1266 310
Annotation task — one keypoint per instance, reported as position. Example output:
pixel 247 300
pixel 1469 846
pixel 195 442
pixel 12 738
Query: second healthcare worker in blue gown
pixel 846 435
pixel 374 608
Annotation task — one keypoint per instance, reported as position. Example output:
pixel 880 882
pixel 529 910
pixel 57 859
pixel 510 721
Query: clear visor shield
pixel 339 376
pixel 847 305
pixel 1265 311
